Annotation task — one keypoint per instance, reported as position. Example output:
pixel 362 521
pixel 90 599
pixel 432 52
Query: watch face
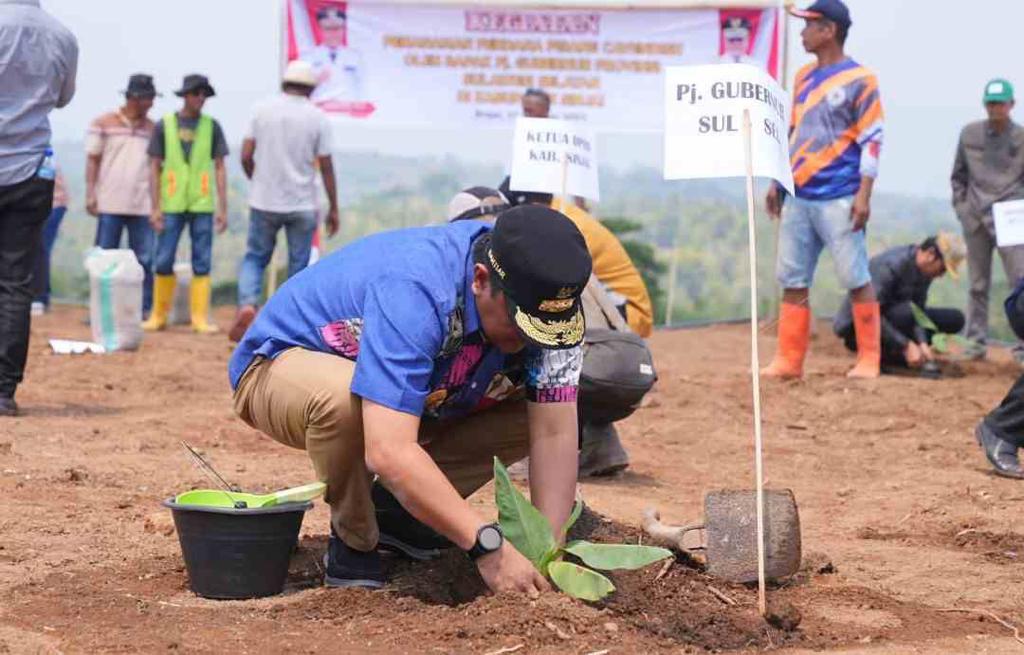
pixel 490 538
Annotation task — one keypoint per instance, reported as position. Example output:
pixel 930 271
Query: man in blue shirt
pixel 412 355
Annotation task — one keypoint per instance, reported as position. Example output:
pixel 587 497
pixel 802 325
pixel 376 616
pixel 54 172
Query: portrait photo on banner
pixel 749 36
pixel 318 33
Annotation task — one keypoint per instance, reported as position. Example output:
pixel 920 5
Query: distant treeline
pixel 703 223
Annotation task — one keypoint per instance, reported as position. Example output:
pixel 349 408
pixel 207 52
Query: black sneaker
pixel 400 532
pixel 1000 453
pixel 347 567
pixel 8 407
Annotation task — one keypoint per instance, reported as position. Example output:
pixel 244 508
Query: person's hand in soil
pixel 926 352
pixel 913 354
pixel 507 570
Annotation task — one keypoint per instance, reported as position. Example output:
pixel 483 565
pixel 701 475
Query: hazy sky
pixel 932 59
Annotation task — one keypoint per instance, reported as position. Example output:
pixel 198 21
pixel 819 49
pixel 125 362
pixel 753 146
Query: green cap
pixel 998 90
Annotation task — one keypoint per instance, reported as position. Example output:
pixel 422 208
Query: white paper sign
pixel 1009 220
pixel 704 122
pixel 542 145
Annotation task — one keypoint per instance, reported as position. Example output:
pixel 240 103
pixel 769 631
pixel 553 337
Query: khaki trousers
pixel 303 400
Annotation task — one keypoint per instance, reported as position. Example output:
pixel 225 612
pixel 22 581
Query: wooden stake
pixel 755 373
pixel 673 263
pixel 784 82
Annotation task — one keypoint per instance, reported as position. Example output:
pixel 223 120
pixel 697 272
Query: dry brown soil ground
pixel 892 489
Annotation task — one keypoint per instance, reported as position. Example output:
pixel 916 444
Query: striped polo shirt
pixel 122 184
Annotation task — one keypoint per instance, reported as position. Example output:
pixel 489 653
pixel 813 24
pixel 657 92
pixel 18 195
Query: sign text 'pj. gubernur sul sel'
pixel 730 122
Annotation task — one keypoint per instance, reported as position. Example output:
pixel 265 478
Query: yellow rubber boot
pixel 163 295
pixel 200 305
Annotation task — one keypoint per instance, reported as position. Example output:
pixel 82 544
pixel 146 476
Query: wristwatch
pixel 488 539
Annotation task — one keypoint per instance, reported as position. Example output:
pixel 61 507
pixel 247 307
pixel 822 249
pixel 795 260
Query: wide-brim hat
pixel 953 252
pixel 540 261
pixel 140 85
pixel 195 83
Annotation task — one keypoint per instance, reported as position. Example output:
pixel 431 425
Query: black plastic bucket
pixel 237 553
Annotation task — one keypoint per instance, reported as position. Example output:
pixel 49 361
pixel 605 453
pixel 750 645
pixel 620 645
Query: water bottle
pixel 48 169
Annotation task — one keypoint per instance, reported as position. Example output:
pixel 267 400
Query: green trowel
pixel 239 500
pixel 230 496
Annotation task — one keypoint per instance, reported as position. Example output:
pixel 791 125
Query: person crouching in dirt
pixel 901 276
pixel 1001 433
pixel 418 355
pixel 619 316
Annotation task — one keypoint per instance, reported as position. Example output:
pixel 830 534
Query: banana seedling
pixel 940 340
pixel 527 529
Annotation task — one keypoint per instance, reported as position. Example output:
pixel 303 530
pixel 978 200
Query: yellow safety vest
pixel 187 186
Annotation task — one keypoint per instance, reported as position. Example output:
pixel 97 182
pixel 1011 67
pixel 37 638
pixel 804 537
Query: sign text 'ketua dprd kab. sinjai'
pixel 554 156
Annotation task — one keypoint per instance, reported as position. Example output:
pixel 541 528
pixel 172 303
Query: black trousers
pixel 1007 420
pixel 23 210
pixel 949 321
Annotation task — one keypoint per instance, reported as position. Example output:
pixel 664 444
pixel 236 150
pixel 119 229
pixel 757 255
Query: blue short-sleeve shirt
pixel 400 305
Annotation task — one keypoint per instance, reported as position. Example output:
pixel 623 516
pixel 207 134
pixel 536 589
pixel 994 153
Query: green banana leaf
pixel 940 340
pixel 922 319
pixel 524 526
pixel 579 582
pixel 616 556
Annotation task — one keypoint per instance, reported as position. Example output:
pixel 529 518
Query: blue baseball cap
pixel 833 10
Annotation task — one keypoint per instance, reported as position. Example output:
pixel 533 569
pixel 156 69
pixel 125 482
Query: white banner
pixel 444 66
pixel 546 150
pixel 704 122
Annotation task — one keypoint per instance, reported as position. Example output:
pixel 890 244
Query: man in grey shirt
pixel 38 61
pixel 989 168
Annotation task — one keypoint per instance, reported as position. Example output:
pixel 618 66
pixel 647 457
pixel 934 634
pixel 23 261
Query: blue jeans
pixel 808 226
pixel 42 276
pixel 140 240
pixel 200 231
pixel 263 226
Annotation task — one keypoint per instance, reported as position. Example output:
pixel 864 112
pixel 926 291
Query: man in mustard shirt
pixel 601 450
pixel 612 264
pixel 186 153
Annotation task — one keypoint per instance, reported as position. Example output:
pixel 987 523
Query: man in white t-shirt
pixel 287 139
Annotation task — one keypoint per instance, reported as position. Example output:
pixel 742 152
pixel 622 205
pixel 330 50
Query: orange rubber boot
pixel 794 335
pixel 867 324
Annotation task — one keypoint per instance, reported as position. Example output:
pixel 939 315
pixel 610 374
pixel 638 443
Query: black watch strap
pixel 489 539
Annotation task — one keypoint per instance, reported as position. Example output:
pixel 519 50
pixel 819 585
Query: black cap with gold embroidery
pixel 541 262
